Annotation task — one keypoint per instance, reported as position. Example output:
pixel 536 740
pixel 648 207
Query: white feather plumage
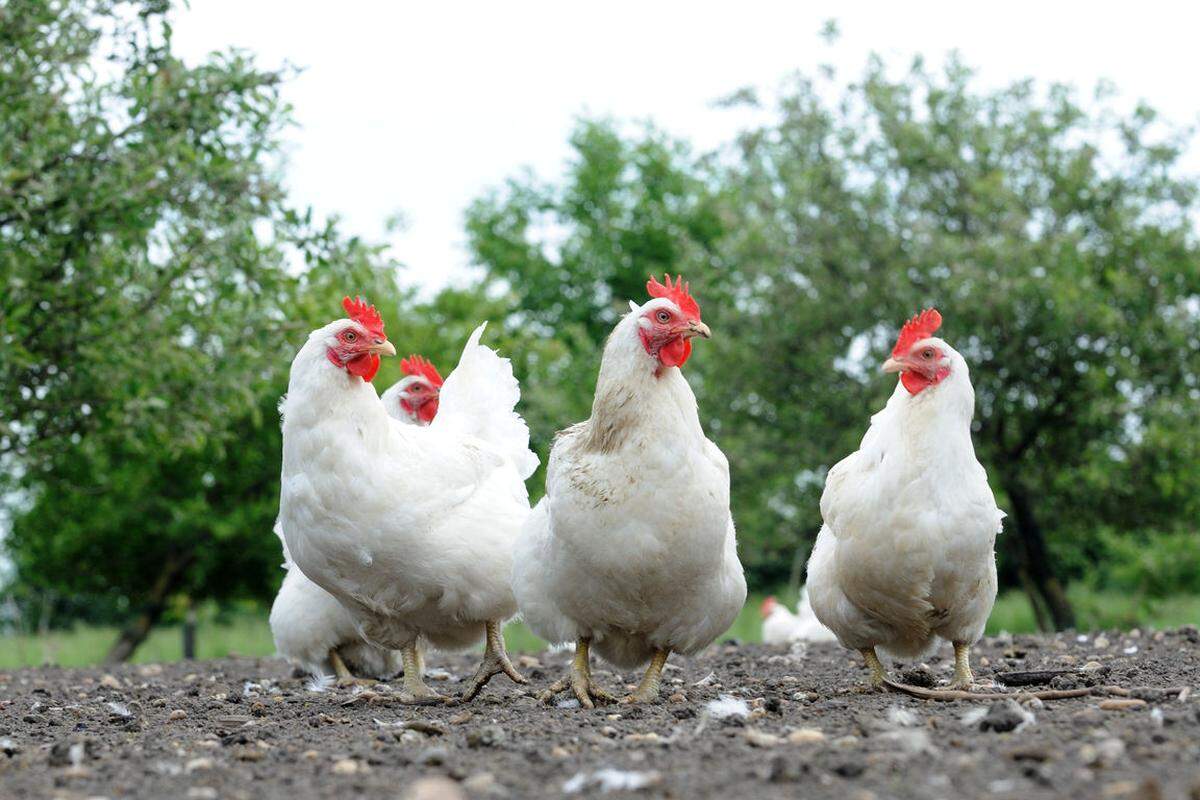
pixel 906 554
pixel 633 545
pixel 410 528
pixel 307 621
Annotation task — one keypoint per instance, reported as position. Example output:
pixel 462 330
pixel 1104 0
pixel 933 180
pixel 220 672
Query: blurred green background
pixel 157 281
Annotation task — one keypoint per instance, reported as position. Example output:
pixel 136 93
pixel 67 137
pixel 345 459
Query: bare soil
pixel 245 728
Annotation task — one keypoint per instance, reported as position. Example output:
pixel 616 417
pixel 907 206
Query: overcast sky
pixel 417 108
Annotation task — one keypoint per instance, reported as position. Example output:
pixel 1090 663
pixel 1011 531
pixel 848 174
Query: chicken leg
pixel 878 673
pixel 579 681
pixel 647 690
pixel 495 661
pixel 415 690
pixel 342 672
pixel 963 677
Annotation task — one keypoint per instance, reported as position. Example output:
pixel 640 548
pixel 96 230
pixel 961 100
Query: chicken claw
pixel 963 677
pixel 416 692
pixel 878 673
pixel 647 690
pixel 495 661
pixel 580 681
pixel 344 676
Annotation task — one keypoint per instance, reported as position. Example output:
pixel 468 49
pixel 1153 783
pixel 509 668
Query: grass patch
pixel 248 634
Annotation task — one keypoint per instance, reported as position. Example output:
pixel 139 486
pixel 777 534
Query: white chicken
pixel 632 550
pixel 411 528
pixel 313 632
pixel 310 627
pixel 414 398
pixel 906 554
pixel 781 626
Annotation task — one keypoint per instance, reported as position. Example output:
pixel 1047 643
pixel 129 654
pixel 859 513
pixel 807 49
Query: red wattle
pixel 916 383
pixel 428 410
pixel 364 366
pixel 675 353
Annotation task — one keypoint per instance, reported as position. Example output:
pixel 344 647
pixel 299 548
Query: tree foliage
pixel 157 284
pixel 1058 240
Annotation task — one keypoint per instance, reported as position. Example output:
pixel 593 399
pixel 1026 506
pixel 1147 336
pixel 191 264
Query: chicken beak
pixel 384 348
pixel 698 328
pixel 892 365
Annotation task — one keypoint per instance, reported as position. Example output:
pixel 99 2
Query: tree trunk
pixel 1034 560
pixel 136 631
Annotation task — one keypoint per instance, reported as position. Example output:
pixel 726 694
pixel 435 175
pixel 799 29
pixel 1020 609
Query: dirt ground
pixel 787 724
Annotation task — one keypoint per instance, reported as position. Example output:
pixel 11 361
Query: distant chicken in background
pixel 906 554
pixel 414 398
pixel 632 550
pixel 311 628
pixel 781 626
pixel 410 527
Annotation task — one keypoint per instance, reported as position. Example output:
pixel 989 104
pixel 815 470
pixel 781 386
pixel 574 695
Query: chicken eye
pixel 664 317
pixel 928 354
pixel 350 336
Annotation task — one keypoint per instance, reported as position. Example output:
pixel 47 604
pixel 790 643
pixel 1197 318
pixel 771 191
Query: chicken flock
pixel 406 524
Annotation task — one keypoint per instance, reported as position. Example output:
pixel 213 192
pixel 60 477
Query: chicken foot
pixel 342 672
pixel 963 677
pixel 647 690
pixel 579 681
pixel 495 661
pixel 878 673
pixel 416 692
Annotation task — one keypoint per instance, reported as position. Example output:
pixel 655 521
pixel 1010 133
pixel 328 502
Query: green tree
pixel 1057 240
pixel 157 286
pixel 142 230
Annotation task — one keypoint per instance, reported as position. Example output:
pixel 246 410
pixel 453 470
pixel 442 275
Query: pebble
pixel 433 757
pixel 644 738
pixel 1101 642
pixel 678 697
pixel 434 788
pixel 249 754
pixel 1105 753
pixel 201 793
pixel 461 717
pixel 757 738
pixel 197 764
pixel 310 755
pixel 233 720
pixel 483 783
pixel 609 731
pixel 558 751
pixel 9 747
pixel 487 736
pixel 1004 716
pixel 346 766
pixel 1092 666
pixel 177 714
pixel 110 682
pixel 805 736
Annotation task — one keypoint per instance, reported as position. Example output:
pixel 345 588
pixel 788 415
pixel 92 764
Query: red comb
pixel 364 315
pixel 677 293
pixel 921 326
pixel 419 365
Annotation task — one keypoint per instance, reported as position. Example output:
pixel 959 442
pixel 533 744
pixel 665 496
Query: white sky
pixel 417 108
